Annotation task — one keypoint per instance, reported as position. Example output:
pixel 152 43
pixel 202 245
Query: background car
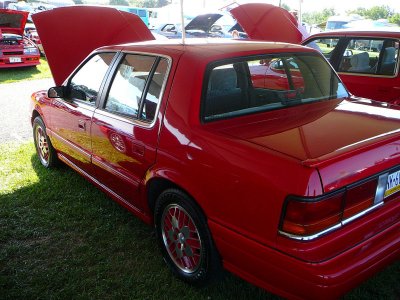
pixel 367 61
pixel 256 178
pixel 15 49
pixel 211 25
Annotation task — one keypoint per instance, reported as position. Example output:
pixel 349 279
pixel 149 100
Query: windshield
pixel 262 83
pixel 332 25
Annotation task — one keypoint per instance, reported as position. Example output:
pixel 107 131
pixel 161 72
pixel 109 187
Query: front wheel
pixel 44 148
pixel 185 240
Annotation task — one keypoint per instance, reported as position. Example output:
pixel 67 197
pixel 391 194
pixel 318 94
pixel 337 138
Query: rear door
pixel 125 127
pixel 369 68
pixel 367 65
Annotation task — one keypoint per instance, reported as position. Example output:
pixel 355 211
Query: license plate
pixel 393 184
pixel 15 59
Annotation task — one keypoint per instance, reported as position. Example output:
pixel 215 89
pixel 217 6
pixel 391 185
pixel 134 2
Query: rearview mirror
pixel 56 92
pixel 348 53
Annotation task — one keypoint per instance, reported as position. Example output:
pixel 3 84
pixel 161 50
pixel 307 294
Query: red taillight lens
pixel 309 217
pixel 359 198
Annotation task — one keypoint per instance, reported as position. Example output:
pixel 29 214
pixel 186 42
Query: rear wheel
pixel 44 148
pixel 185 240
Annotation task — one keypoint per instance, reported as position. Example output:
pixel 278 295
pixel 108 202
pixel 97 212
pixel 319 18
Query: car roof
pixel 393 32
pixel 211 48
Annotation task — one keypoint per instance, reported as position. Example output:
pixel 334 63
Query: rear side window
pixel 370 56
pixel 266 83
pixel 137 86
pixel 325 46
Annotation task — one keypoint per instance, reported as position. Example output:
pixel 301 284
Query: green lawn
pixel 26 73
pixel 60 237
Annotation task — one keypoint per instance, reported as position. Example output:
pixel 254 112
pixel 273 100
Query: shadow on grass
pixel 63 238
pixel 40 71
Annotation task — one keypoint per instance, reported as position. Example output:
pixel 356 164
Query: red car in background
pixel 367 61
pixel 292 185
pixel 16 50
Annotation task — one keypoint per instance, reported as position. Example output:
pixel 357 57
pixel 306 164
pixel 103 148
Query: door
pixel 71 116
pixel 368 67
pixel 125 128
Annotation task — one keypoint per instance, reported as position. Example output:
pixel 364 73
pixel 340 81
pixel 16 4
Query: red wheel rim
pixel 181 238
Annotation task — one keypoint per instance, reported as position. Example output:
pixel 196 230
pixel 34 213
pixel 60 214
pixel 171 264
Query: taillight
pixel 305 217
pixel 359 198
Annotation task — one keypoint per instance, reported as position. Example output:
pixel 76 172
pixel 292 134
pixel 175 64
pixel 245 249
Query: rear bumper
pixel 26 61
pixel 292 278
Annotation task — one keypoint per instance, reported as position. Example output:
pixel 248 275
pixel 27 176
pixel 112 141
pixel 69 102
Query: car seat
pixel 360 63
pixel 388 61
pixel 223 95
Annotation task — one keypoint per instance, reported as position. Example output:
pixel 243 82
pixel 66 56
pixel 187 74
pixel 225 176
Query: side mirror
pixel 56 92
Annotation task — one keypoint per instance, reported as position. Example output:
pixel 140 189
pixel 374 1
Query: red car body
pixel 299 199
pixel 15 49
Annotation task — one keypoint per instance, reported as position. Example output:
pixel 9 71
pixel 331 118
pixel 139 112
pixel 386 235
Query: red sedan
pixel 15 49
pixel 293 189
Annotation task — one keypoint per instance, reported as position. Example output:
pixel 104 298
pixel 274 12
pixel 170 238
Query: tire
pixel 44 149
pixel 185 240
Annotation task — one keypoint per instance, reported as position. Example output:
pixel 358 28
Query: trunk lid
pixel 345 140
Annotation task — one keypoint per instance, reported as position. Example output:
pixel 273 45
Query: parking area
pixel 14 101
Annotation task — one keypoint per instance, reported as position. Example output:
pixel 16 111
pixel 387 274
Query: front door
pixel 71 116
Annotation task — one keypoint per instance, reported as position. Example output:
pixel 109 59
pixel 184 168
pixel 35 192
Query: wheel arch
pixel 159 183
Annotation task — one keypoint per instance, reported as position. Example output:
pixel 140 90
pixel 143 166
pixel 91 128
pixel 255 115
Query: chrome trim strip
pixel 334 227
pixel 79 170
pixel 105 166
pixel 380 190
pixel 348 220
pixel 310 237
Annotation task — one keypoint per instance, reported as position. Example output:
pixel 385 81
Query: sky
pixel 308 5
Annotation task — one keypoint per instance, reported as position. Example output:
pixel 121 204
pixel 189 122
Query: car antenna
pixel 183 24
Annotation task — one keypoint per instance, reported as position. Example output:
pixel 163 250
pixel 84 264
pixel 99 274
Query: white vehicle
pixel 340 22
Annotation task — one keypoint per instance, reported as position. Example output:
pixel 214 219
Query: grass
pixel 60 237
pixel 26 73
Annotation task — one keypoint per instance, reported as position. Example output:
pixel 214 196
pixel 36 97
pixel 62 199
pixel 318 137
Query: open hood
pixel 13 21
pixel 203 22
pixel 69 34
pixel 268 23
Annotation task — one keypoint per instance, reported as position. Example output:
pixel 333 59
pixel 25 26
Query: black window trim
pixel 110 77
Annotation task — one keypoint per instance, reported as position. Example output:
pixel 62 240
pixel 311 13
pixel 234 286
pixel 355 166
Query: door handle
pixel 82 124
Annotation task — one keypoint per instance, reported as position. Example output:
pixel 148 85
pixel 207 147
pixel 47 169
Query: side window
pixel 370 56
pixel 133 92
pixel 128 85
pixel 325 46
pixel 85 84
pixel 152 98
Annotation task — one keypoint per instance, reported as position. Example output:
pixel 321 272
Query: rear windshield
pixel 262 83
